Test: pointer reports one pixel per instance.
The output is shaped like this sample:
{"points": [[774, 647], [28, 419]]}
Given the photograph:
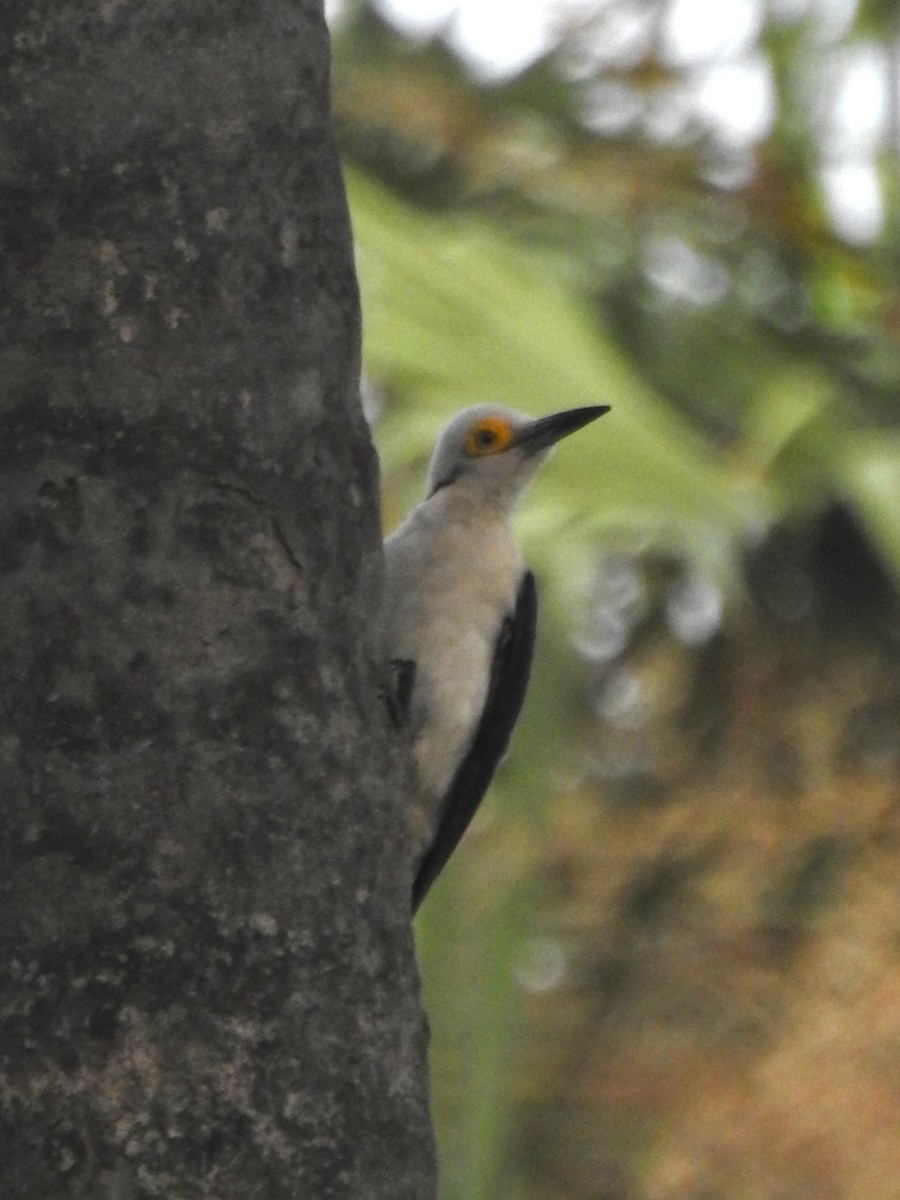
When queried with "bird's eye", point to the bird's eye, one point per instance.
{"points": [[488, 437]]}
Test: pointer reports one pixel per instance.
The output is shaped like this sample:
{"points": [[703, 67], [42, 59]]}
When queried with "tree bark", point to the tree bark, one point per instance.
{"points": [[208, 982]]}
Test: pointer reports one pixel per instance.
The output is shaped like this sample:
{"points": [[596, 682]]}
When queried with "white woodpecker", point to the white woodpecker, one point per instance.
{"points": [[460, 615]]}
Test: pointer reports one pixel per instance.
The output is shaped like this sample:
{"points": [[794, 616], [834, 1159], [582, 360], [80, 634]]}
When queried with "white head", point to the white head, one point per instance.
{"points": [[494, 452]]}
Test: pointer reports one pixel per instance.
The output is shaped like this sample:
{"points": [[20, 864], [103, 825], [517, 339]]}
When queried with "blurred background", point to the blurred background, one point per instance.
{"points": [[665, 963]]}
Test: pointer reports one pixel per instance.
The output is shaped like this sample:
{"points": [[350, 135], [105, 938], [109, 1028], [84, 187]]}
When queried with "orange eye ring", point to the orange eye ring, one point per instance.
{"points": [[488, 436]]}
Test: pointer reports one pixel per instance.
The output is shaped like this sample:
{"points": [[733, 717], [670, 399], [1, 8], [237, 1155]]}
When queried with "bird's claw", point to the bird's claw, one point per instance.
{"points": [[400, 688]]}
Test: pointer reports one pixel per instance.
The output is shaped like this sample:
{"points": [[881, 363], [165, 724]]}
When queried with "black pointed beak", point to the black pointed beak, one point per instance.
{"points": [[546, 431]]}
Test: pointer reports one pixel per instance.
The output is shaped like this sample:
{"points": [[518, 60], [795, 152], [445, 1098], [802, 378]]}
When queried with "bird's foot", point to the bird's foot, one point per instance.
{"points": [[400, 688]]}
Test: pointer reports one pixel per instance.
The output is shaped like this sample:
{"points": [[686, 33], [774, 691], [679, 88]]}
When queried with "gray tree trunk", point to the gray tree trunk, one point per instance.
{"points": [[207, 983]]}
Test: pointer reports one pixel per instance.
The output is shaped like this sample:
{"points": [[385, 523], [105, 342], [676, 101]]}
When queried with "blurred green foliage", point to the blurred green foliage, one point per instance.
{"points": [[705, 777]]}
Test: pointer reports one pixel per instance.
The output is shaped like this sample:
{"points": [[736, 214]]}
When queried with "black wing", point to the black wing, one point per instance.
{"points": [[506, 691]]}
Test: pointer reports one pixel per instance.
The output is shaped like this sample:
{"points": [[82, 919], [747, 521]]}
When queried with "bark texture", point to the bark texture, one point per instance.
{"points": [[207, 974]]}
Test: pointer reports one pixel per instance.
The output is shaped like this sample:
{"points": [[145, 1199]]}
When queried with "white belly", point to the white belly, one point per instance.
{"points": [[451, 582]]}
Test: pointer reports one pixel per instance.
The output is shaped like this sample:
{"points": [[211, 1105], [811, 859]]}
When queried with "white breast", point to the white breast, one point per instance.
{"points": [[453, 572]]}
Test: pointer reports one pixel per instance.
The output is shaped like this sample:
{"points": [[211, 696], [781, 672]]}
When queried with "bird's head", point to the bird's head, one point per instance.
{"points": [[494, 452]]}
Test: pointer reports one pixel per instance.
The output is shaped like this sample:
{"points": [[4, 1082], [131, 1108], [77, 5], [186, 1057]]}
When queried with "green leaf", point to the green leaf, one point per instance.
{"points": [[869, 469]]}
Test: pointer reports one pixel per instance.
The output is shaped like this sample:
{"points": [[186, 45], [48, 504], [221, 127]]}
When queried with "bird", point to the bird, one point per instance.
{"points": [[460, 617]]}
